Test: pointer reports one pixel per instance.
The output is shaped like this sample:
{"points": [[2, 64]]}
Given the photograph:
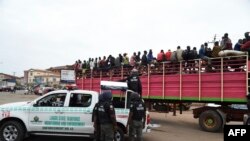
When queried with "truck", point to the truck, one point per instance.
{"points": [[7, 85], [57, 113], [223, 81]]}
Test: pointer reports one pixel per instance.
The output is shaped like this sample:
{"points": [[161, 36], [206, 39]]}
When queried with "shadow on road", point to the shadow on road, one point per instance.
{"points": [[52, 138]]}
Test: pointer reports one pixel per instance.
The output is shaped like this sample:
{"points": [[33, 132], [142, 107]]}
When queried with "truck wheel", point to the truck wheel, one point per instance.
{"points": [[119, 135], [210, 121], [12, 131]]}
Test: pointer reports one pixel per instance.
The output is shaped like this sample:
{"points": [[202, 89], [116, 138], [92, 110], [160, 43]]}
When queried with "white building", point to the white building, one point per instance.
{"points": [[37, 76]]}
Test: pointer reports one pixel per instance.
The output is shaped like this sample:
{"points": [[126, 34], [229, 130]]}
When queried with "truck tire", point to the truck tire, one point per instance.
{"points": [[119, 134], [210, 121], [12, 131]]}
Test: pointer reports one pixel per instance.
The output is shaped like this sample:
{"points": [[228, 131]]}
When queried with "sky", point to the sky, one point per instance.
{"points": [[41, 34]]}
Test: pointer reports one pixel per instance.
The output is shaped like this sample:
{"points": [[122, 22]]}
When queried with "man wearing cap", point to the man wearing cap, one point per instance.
{"points": [[106, 117], [137, 118]]}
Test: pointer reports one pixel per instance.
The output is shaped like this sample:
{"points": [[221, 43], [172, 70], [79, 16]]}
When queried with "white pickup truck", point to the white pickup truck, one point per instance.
{"points": [[58, 113]]}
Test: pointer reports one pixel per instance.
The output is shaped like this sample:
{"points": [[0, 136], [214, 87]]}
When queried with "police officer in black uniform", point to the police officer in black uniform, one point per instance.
{"points": [[106, 117], [248, 102], [134, 84], [97, 128], [137, 117]]}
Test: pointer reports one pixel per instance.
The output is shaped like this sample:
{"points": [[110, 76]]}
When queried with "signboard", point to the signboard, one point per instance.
{"points": [[67, 76]]}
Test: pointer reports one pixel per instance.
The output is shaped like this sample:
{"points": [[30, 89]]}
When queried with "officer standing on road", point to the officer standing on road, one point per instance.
{"points": [[137, 118], [248, 102], [106, 117], [97, 129], [134, 84]]}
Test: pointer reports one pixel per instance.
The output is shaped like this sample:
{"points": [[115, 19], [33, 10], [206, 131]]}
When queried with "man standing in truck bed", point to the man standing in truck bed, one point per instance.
{"points": [[134, 84]]}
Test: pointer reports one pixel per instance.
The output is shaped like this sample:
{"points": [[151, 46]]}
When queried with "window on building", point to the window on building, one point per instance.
{"points": [[31, 73], [54, 79]]}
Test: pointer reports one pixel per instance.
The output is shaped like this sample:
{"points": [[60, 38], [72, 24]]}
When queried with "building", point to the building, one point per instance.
{"points": [[4, 76], [50, 76], [50, 80], [37, 76], [57, 70], [22, 82], [7, 80]]}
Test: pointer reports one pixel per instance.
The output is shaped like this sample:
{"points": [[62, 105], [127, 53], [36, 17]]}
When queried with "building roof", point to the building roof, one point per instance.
{"points": [[61, 67], [35, 70], [51, 75], [38, 70], [8, 75]]}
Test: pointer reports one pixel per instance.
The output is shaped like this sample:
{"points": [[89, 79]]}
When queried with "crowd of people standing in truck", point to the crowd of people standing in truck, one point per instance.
{"points": [[146, 58]]}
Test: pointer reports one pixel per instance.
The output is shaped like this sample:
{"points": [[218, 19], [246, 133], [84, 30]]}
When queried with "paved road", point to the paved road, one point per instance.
{"points": [[172, 128]]}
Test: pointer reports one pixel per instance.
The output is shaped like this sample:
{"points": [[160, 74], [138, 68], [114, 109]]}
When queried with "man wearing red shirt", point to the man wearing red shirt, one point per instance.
{"points": [[168, 55], [160, 56]]}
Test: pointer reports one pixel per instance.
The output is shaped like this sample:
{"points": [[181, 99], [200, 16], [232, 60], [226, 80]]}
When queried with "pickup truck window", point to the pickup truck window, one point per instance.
{"points": [[80, 100], [53, 100]]}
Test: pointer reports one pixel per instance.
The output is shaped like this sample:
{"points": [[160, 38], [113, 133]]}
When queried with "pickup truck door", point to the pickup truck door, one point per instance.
{"points": [[79, 117], [47, 115]]}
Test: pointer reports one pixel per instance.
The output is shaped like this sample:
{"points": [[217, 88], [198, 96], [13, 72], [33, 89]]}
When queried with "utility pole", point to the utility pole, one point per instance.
{"points": [[213, 41], [214, 38]]}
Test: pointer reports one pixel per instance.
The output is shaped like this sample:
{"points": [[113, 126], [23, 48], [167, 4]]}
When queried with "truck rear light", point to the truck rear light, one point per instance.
{"points": [[148, 119]]}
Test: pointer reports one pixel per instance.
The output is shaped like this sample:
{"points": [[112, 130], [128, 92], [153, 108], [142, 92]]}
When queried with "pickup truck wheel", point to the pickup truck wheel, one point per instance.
{"points": [[210, 121], [11, 131], [119, 135]]}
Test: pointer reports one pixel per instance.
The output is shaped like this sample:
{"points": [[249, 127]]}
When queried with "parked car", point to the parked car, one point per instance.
{"points": [[43, 90]]}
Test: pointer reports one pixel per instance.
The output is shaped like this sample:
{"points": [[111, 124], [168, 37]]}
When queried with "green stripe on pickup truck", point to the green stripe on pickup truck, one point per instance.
{"points": [[56, 109]]}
